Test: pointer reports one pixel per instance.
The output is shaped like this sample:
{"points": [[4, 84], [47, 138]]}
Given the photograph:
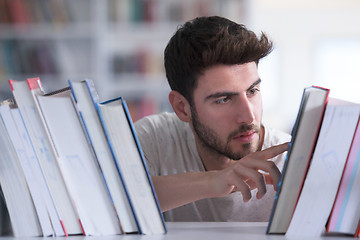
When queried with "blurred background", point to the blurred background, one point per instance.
{"points": [[119, 45]]}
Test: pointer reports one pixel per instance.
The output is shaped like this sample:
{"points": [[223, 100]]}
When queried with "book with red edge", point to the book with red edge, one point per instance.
{"points": [[24, 93], [325, 171], [304, 137], [345, 214], [78, 164]]}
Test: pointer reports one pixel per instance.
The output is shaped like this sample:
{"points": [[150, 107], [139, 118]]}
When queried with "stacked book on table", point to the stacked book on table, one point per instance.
{"points": [[72, 165], [319, 192]]}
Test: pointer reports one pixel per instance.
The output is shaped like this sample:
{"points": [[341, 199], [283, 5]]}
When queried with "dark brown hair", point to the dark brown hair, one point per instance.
{"points": [[205, 42]]}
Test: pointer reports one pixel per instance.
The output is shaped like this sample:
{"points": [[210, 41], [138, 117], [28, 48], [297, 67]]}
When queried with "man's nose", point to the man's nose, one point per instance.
{"points": [[244, 111]]}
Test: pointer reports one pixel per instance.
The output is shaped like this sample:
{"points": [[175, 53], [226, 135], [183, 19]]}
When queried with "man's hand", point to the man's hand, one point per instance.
{"points": [[252, 171]]}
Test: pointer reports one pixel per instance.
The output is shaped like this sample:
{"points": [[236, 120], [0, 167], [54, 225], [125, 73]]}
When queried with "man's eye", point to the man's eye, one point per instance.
{"points": [[223, 100], [253, 91]]}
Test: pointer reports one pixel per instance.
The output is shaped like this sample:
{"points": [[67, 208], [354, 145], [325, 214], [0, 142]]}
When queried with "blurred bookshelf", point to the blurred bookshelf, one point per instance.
{"points": [[118, 44]]}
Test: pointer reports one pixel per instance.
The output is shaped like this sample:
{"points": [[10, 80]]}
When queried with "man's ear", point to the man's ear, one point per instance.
{"points": [[180, 105]]}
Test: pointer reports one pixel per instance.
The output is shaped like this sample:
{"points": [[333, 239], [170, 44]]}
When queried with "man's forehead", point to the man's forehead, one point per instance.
{"points": [[242, 75]]}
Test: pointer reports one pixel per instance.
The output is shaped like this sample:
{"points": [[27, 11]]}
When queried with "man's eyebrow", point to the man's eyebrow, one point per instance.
{"points": [[229, 94], [257, 82], [221, 94]]}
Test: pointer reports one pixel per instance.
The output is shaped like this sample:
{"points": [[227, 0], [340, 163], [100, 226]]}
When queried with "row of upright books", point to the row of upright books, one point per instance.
{"points": [[157, 11], [72, 165], [27, 57], [44, 11], [142, 61], [319, 191]]}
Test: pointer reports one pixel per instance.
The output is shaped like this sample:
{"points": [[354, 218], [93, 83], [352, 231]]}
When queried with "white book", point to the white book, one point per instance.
{"points": [[326, 168], [131, 164], [85, 97], [345, 214], [78, 165], [26, 168], [23, 216], [23, 92], [36, 175]]}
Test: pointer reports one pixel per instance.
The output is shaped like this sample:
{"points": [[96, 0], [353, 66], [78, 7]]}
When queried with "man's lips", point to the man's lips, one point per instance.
{"points": [[245, 137]]}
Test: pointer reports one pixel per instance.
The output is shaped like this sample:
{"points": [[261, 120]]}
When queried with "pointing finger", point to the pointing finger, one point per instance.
{"points": [[273, 151]]}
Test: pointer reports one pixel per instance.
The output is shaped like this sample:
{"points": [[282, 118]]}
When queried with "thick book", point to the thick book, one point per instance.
{"points": [[345, 215], [25, 164], [23, 216], [36, 176], [85, 98], [131, 164], [326, 168], [304, 136], [78, 164], [24, 94]]}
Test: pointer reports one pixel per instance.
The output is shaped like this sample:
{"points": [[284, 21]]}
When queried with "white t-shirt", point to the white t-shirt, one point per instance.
{"points": [[169, 147]]}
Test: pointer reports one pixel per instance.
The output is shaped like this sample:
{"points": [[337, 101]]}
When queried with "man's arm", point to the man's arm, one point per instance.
{"points": [[179, 189]]}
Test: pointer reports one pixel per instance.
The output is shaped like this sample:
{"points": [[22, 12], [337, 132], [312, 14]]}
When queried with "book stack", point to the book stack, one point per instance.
{"points": [[319, 191], [72, 165]]}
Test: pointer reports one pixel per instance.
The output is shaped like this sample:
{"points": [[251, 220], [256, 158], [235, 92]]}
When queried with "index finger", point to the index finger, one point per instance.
{"points": [[273, 151]]}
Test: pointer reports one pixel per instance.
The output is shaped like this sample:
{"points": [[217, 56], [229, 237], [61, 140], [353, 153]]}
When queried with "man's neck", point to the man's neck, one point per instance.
{"points": [[211, 159]]}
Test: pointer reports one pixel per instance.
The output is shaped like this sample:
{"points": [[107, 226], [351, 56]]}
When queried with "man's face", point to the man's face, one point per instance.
{"points": [[227, 109]]}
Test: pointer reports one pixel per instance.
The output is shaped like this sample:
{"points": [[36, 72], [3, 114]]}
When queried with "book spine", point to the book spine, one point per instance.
{"points": [[127, 113]]}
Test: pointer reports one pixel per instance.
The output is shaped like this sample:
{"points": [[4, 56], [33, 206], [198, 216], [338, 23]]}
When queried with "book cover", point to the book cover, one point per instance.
{"points": [[142, 157], [326, 168], [78, 164], [304, 136], [132, 166], [25, 165], [24, 93], [37, 175], [345, 214], [14, 187], [85, 98]]}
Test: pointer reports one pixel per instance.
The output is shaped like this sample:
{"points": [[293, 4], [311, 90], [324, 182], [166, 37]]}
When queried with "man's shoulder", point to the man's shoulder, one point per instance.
{"points": [[167, 142], [164, 116], [275, 136], [159, 124], [162, 119]]}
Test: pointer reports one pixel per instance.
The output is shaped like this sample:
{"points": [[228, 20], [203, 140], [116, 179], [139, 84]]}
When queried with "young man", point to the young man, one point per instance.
{"points": [[207, 160]]}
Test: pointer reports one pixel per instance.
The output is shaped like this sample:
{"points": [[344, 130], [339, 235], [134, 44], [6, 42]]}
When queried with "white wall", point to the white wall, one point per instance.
{"points": [[306, 33]]}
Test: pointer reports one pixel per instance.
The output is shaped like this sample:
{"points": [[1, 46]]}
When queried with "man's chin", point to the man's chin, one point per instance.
{"points": [[246, 149]]}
